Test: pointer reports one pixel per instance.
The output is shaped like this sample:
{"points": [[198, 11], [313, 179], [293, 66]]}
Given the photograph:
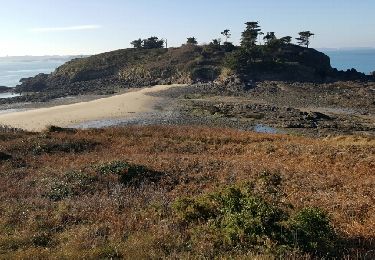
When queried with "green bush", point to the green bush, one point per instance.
{"points": [[72, 183], [312, 231], [237, 217], [128, 173], [115, 167], [59, 190]]}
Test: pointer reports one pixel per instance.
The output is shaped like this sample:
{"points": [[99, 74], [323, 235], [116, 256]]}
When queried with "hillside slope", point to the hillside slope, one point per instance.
{"points": [[121, 193], [187, 64]]}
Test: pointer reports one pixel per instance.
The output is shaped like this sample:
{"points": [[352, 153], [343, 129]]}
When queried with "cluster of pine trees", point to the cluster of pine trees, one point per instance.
{"points": [[249, 39]]}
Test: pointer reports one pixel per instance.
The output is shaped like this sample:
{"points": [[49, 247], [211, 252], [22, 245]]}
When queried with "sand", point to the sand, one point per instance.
{"points": [[115, 107]]}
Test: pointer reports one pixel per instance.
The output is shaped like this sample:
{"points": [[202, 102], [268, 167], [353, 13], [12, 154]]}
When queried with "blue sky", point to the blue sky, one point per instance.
{"points": [[45, 27]]}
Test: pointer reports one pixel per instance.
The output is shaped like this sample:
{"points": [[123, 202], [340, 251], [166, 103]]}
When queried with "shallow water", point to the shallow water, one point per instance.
{"points": [[266, 129], [9, 95]]}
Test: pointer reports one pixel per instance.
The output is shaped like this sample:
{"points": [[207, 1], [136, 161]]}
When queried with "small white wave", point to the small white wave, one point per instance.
{"points": [[32, 70]]}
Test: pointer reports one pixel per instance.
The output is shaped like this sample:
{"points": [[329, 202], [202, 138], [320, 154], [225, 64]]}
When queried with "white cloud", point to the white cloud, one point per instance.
{"points": [[65, 29]]}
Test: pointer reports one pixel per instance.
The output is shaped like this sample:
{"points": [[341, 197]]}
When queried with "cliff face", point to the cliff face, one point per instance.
{"points": [[139, 67]]}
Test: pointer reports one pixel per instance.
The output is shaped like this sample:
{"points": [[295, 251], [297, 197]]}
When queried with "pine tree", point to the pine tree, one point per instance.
{"points": [[250, 35], [304, 38]]}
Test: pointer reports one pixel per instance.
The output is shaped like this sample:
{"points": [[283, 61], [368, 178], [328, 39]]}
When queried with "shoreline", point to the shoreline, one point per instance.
{"points": [[120, 106]]}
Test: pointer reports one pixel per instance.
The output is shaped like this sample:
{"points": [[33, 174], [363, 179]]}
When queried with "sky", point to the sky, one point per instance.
{"points": [[75, 27]]}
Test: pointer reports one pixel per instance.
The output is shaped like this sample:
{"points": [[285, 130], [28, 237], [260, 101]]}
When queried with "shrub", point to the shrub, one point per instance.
{"points": [[72, 183], [41, 239], [59, 190], [66, 146], [128, 173], [237, 217], [312, 231], [205, 73], [57, 129], [228, 47], [115, 167]]}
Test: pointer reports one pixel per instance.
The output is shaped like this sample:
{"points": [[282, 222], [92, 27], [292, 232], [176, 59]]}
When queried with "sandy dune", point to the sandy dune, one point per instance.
{"points": [[120, 106]]}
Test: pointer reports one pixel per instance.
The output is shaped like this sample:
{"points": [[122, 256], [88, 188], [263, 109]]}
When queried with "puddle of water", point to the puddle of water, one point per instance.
{"points": [[259, 128]]}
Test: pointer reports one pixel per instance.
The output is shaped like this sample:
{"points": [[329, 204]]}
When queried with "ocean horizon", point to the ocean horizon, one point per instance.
{"points": [[363, 60], [12, 69]]}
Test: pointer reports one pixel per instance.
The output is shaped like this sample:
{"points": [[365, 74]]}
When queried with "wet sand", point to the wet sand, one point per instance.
{"points": [[120, 106]]}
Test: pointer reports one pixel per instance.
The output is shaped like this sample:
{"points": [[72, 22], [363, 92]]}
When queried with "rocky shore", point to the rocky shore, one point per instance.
{"points": [[304, 108], [296, 108]]}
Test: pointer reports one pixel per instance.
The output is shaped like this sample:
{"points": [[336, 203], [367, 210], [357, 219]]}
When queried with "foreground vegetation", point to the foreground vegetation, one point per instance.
{"points": [[184, 192]]}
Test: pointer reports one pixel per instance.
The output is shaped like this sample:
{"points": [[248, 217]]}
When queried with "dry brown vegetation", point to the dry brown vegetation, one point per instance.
{"points": [[59, 198]]}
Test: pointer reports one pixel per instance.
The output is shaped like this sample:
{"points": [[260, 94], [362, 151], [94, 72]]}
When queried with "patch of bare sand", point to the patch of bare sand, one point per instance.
{"points": [[119, 106]]}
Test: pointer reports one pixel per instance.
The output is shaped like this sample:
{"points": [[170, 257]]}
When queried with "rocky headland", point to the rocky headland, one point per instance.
{"points": [[291, 88]]}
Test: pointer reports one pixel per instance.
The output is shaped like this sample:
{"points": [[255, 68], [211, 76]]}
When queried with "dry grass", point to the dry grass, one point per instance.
{"points": [[97, 216]]}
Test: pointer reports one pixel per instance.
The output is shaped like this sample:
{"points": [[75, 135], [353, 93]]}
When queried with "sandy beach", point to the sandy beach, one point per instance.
{"points": [[119, 106]]}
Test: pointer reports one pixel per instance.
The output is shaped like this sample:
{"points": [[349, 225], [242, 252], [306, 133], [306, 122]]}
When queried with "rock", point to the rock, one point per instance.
{"points": [[4, 89], [5, 156], [317, 116]]}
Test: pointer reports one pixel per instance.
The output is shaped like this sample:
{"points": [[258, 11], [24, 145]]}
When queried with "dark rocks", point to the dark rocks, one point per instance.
{"points": [[4, 89], [5, 156], [316, 116]]}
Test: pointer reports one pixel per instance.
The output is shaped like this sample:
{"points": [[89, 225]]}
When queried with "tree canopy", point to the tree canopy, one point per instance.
{"points": [[191, 41], [150, 43], [250, 35], [137, 44], [304, 38], [270, 36], [226, 33]]}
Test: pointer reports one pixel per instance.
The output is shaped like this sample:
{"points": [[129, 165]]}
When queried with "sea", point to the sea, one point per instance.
{"points": [[12, 69], [363, 60]]}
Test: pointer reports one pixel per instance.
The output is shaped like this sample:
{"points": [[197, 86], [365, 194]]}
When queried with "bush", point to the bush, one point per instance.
{"points": [[66, 146], [129, 174], [228, 47], [57, 129], [115, 167], [236, 217], [59, 190], [72, 183], [205, 73], [312, 231]]}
